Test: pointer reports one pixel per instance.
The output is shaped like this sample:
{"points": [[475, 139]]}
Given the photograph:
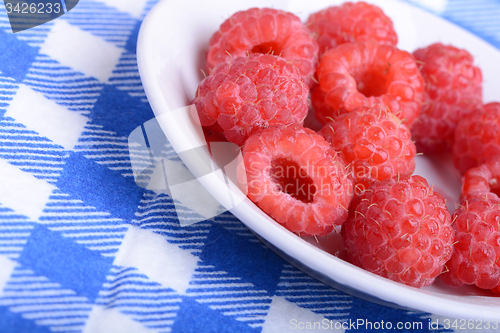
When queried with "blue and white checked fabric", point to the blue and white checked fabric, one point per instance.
{"points": [[83, 248]]}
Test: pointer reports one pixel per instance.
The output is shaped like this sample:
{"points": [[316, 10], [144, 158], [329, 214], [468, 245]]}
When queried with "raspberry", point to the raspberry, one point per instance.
{"points": [[214, 133], [360, 74], [476, 253], [264, 30], [400, 230], [351, 22], [477, 137], [483, 180], [374, 142], [452, 90], [252, 93], [294, 176]]}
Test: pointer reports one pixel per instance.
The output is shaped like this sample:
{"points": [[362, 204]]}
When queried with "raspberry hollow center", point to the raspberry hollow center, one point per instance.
{"points": [[292, 180], [267, 48], [373, 81], [495, 186]]}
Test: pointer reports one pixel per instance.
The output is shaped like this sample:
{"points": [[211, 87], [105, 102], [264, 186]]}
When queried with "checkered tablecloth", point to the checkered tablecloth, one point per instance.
{"points": [[84, 249]]}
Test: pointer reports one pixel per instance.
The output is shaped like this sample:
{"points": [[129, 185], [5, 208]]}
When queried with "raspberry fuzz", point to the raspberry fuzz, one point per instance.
{"points": [[293, 174], [251, 93], [351, 22], [476, 254], [264, 30], [477, 138], [453, 89], [360, 74], [374, 143], [400, 230]]}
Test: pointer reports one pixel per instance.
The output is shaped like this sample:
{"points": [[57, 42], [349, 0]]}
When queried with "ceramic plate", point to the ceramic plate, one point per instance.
{"points": [[171, 50]]}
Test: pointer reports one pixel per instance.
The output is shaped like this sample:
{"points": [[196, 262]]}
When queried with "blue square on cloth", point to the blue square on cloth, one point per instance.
{"points": [[14, 323], [119, 112], [100, 187], [66, 262], [16, 57]]}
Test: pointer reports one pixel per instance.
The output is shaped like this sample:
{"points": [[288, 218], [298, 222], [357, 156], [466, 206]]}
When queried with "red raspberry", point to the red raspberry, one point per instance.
{"points": [[252, 93], [351, 22], [400, 230], [374, 143], [294, 176], [483, 180], [322, 111], [452, 90], [360, 74], [214, 133], [476, 254], [477, 138], [265, 30]]}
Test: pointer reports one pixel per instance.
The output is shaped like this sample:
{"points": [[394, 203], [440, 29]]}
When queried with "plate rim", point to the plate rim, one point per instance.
{"points": [[408, 297]]}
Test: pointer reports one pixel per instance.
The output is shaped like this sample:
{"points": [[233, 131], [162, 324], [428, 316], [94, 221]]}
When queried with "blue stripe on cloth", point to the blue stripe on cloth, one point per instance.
{"points": [[30, 151], [101, 20], [106, 148], [301, 289], [16, 56], [98, 186], [14, 323], [15, 230], [96, 230], [194, 317], [372, 313], [62, 260], [48, 303], [141, 299], [64, 85], [236, 255], [466, 13], [131, 44]]}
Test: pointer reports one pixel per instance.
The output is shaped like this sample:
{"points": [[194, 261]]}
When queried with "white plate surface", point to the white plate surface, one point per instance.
{"points": [[171, 50]]}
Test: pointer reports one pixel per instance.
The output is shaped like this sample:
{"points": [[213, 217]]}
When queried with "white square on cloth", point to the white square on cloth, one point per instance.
{"points": [[81, 50], [46, 117]]}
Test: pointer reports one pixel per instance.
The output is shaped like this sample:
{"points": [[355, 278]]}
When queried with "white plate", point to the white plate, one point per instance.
{"points": [[171, 50]]}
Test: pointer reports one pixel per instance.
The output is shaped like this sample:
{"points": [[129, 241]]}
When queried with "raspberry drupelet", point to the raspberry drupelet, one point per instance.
{"points": [[351, 22], [294, 176], [476, 254], [483, 180], [401, 230], [265, 30], [374, 143], [453, 89], [251, 93], [360, 74], [477, 138]]}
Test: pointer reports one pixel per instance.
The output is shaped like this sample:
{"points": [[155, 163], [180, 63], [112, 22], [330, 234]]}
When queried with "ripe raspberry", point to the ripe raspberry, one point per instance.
{"points": [[400, 230], [265, 30], [476, 254], [294, 176], [374, 143], [483, 180], [360, 74], [452, 90], [214, 133], [477, 138], [351, 22], [251, 93]]}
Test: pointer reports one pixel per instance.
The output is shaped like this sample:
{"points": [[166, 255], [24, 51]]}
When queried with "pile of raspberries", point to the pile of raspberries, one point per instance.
{"points": [[330, 115]]}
